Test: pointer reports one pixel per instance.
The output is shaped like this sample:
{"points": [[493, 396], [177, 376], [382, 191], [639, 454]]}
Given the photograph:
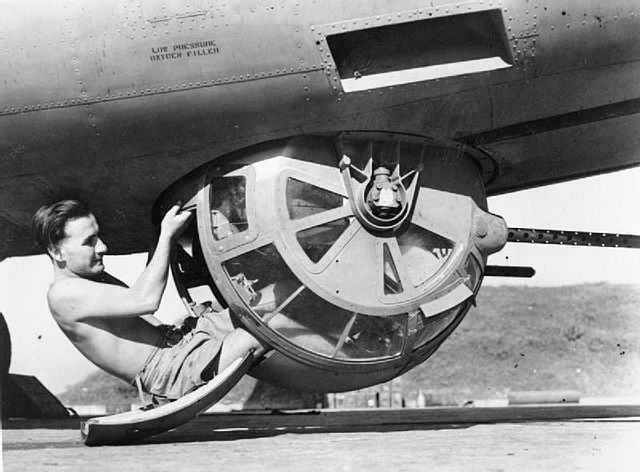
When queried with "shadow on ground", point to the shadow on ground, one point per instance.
{"points": [[192, 435]]}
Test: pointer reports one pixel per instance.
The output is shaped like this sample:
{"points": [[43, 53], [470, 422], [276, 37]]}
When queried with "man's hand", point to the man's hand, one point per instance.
{"points": [[174, 222]]}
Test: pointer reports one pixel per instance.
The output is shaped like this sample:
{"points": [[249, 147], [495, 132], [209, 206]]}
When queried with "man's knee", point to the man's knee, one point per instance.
{"points": [[241, 337]]}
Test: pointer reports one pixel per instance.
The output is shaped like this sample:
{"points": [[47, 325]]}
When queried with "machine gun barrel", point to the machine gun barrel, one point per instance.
{"points": [[573, 238]]}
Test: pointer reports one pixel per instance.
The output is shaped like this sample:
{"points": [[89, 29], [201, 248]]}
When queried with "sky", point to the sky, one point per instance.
{"points": [[606, 203]]}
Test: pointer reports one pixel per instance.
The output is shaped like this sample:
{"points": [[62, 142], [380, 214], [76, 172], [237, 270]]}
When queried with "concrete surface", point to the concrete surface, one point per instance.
{"points": [[262, 442]]}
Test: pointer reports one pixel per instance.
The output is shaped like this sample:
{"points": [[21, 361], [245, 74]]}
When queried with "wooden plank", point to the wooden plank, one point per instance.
{"points": [[329, 418], [345, 419]]}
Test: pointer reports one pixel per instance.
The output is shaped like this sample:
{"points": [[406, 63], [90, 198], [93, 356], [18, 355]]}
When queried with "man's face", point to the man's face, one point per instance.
{"points": [[81, 249]]}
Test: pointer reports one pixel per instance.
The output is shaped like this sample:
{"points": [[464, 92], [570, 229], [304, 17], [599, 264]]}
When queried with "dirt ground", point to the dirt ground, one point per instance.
{"points": [[269, 445]]}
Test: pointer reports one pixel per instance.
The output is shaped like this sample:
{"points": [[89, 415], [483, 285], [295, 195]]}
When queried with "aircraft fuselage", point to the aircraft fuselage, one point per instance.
{"points": [[110, 102]]}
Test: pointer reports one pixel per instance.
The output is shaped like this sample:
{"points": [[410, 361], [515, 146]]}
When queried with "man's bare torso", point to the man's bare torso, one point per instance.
{"points": [[118, 345]]}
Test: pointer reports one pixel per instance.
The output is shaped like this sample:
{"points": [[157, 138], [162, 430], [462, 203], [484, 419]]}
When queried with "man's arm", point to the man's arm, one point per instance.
{"points": [[77, 298]]}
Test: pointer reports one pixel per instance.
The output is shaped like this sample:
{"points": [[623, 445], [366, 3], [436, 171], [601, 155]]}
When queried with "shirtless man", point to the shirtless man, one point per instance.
{"points": [[105, 320]]}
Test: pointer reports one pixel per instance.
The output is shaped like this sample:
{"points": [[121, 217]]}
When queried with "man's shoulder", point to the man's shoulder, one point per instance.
{"points": [[65, 290], [69, 284], [66, 284]]}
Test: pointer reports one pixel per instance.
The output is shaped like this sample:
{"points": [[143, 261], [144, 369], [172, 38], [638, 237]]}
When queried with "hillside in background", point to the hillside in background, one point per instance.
{"points": [[584, 338]]}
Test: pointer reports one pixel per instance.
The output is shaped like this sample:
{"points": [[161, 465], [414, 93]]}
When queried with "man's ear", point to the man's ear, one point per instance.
{"points": [[55, 253]]}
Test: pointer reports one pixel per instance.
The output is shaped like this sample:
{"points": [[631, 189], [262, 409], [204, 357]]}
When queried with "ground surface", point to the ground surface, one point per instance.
{"points": [[399, 441]]}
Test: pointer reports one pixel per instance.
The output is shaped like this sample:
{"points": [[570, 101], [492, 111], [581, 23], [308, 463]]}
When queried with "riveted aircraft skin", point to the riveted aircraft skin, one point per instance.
{"points": [[111, 102]]}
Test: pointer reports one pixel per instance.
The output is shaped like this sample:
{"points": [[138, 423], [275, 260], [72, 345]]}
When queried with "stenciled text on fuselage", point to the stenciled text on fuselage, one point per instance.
{"points": [[184, 50]]}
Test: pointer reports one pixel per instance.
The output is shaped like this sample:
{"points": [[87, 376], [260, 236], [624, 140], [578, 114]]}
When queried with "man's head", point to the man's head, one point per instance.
{"points": [[68, 232]]}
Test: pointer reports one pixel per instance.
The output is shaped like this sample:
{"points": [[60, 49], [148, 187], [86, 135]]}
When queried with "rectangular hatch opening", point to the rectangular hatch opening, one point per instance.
{"points": [[421, 50]]}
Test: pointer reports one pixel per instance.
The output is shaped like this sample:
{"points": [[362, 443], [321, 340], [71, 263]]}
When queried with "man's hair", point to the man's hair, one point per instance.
{"points": [[49, 221]]}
